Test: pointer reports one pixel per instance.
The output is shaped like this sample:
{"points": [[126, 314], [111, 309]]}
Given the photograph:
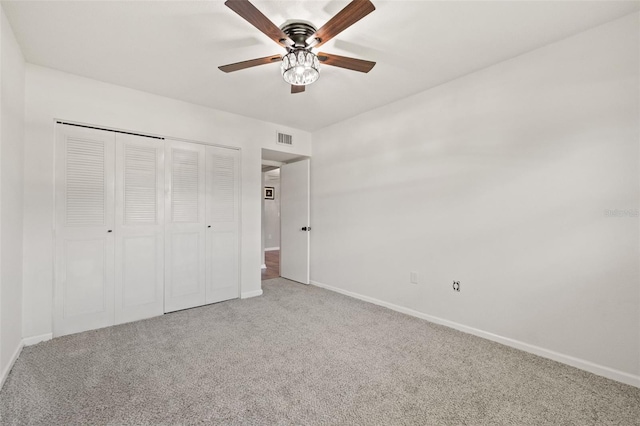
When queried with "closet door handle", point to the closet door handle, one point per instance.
{"points": [[110, 230], [209, 226]]}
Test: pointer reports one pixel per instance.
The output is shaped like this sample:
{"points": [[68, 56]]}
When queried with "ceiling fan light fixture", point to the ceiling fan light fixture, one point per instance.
{"points": [[300, 67]]}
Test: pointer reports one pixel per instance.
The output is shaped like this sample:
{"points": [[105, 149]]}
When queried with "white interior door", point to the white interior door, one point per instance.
{"points": [[84, 282], [294, 221], [139, 228], [185, 235], [223, 207]]}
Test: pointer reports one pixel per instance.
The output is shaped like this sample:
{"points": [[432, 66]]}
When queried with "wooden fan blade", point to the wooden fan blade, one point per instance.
{"points": [[355, 11], [345, 62], [252, 15], [297, 89], [251, 63]]}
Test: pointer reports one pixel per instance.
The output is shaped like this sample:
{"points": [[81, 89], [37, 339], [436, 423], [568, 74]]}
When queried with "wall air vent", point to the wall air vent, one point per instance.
{"points": [[284, 139]]}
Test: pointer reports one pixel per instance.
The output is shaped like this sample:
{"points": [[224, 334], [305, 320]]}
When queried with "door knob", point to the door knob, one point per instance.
{"points": [[304, 228], [110, 230]]}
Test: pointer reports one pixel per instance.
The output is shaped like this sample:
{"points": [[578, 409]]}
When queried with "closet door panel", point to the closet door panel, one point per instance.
{"points": [[85, 276], [223, 208], [185, 264], [84, 281], [141, 274], [223, 281], [185, 268], [139, 252]]}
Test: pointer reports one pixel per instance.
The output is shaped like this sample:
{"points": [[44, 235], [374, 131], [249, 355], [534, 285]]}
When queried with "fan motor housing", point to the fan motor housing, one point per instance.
{"points": [[299, 32]]}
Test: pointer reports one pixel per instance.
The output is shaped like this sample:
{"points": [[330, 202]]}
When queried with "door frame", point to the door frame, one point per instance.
{"points": [[277, 158]]}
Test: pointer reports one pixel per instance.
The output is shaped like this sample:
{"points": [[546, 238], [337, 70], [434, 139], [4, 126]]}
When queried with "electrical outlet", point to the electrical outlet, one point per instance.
{"points": [[413, 277], [456, 286]]}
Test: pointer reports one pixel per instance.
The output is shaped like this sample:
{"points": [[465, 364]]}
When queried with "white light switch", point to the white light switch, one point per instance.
{"points": [[414, 277]]}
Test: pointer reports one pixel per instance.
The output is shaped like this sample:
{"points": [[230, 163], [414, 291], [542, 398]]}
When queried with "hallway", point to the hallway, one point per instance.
{"points": [[272, 260]]}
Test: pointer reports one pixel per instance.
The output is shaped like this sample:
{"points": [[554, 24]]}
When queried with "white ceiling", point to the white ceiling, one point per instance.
{"points": [[173, 48]]}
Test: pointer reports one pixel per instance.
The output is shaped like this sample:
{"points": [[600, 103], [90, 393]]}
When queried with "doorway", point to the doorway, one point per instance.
{"points": [[271, 222], [285, 216]]}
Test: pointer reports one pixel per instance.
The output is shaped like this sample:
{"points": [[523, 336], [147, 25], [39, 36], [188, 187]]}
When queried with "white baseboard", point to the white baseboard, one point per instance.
{"points": [[249, 294], [272, 248], [34, 340], [600, 370], [7, 369], [263, 266]]}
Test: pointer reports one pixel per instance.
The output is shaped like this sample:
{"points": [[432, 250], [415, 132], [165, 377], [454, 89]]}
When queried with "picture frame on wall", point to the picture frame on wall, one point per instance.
{"points": [[269, 193]]}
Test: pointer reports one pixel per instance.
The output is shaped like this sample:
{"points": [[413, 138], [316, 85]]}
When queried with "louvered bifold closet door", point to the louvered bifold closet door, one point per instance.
{"points": [[185, 236], [84, 282], [139, 228], [222, 223]]}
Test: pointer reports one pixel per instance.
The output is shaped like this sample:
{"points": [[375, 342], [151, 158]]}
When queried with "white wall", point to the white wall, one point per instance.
{"points": [[11, 185], [499, 179], [54, 95]]}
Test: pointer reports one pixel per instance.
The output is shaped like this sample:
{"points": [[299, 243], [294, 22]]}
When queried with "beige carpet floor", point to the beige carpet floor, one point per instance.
{"points": [[300, 355]]}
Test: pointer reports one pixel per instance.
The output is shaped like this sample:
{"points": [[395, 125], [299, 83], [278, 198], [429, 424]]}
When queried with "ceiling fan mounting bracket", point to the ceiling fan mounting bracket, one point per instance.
{"points": [[299, 32]]}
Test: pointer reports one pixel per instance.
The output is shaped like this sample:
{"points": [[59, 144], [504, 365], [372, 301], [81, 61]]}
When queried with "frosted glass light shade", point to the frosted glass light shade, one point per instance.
{"points": [[300, 67]]}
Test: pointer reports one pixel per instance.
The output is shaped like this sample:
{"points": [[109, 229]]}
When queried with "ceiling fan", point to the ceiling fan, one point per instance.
{"points": [[300, 66]]}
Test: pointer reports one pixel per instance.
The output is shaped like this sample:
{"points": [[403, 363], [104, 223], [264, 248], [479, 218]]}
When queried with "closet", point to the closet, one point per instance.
{"points": [[202, 226], [143, 226]]}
